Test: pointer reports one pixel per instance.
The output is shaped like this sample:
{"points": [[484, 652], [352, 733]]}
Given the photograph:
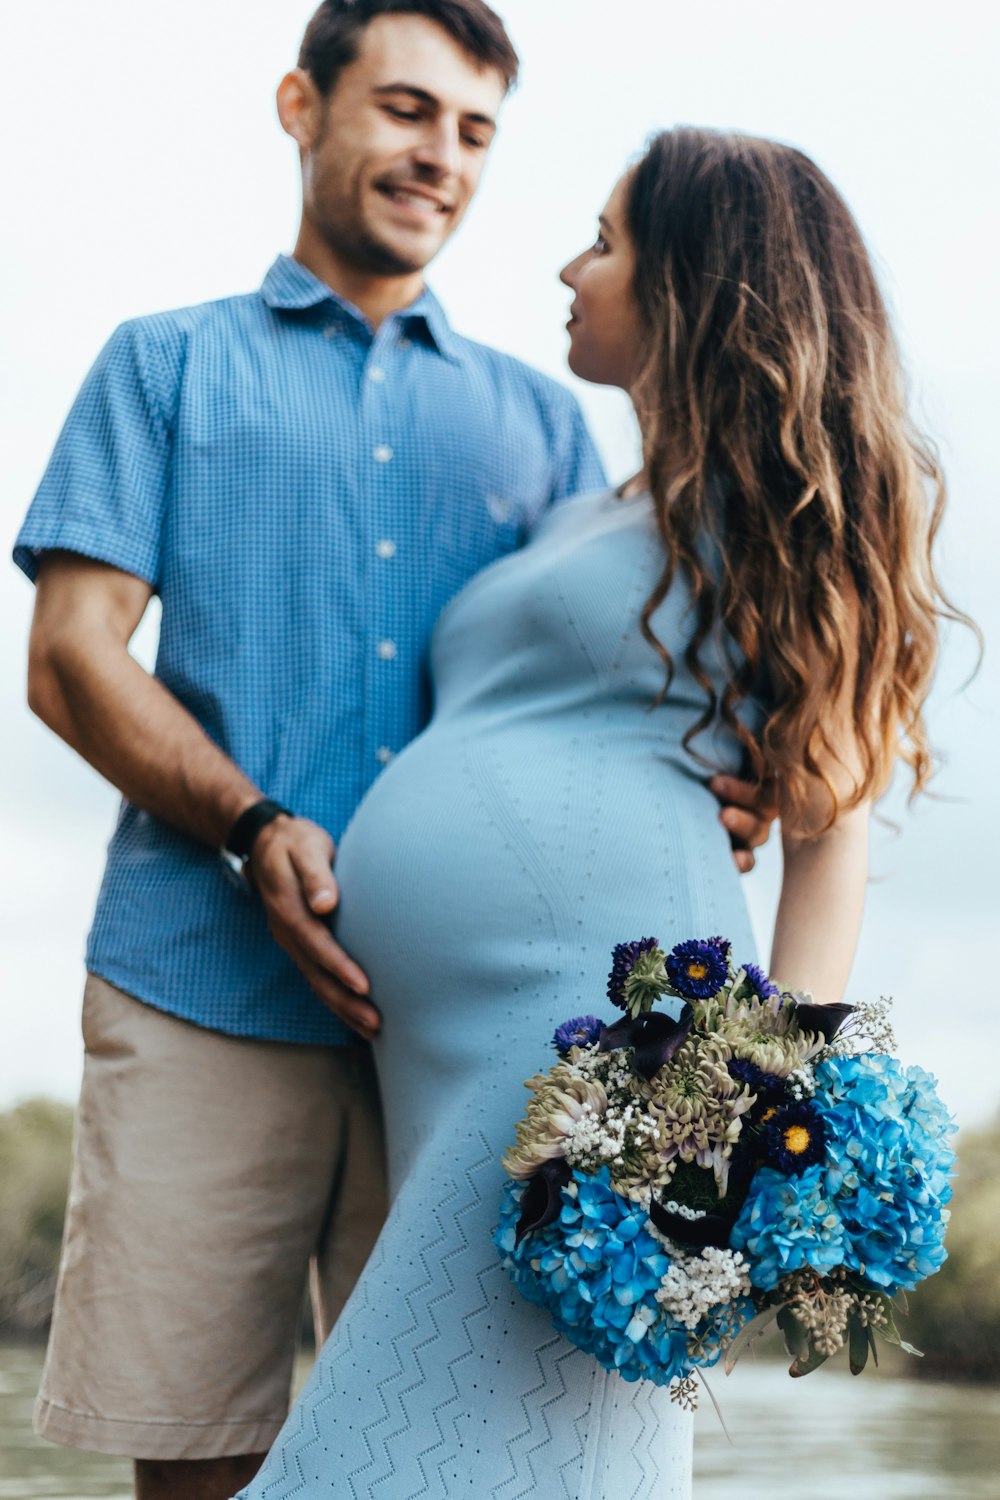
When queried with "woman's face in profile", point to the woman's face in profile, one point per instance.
{"points": [[604, 325]]}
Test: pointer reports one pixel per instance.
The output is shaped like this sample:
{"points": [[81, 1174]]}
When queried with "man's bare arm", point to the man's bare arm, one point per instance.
{"points": [[85, 686]]}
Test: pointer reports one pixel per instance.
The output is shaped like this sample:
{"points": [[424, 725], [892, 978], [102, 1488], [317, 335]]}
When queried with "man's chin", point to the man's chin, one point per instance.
{"points": [[403, 255], [377, 251]]}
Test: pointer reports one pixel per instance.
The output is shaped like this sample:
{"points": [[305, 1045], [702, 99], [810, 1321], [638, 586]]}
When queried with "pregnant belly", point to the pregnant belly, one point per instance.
{"points": [[478, 864]]}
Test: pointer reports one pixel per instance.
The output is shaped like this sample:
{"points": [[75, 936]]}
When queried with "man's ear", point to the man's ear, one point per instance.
{"points": [[300, 107]]}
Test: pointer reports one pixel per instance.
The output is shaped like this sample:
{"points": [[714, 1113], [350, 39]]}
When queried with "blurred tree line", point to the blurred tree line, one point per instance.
{"points": [[35, 1148], [954, 1317]]}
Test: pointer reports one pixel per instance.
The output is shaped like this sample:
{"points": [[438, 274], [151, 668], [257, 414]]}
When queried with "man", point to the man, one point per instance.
{"points": [[304, 476]]}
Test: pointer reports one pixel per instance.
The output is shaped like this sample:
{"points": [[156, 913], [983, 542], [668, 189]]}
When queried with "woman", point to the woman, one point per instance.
{"points": [[762, 595]]}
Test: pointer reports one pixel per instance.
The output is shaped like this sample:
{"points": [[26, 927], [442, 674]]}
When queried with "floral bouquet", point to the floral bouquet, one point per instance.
{"points": [[681, 1181]]}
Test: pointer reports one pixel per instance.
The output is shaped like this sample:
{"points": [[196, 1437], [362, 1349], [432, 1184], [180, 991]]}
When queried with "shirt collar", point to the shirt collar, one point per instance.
{"points": [[290, 287]]}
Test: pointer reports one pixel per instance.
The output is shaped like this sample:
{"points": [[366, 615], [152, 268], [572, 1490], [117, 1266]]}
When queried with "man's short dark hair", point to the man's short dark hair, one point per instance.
{"points": [[331, 39]]}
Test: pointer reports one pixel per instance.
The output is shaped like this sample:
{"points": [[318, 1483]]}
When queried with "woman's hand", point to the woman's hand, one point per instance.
{"points": [[747, 815]]}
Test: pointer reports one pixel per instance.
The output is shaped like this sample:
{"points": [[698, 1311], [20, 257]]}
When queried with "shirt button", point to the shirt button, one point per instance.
{"points": [[383, 755], [404, 343], [385, 548], [330, 332], [382, 454], [386, 650], [377, 374]]}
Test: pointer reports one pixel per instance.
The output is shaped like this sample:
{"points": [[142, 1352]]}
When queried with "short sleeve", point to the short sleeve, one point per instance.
{"points": [[580, 469], [104, 491]]}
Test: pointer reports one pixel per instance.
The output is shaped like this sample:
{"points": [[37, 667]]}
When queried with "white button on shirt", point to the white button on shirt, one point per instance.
{"points": [[383, 755], [382, 454], [385, 548], [377, 374], [386, 650]]}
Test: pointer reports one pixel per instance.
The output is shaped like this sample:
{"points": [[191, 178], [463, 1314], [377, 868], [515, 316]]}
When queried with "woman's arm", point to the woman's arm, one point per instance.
{"points": [[825, 872], [819, 913]]}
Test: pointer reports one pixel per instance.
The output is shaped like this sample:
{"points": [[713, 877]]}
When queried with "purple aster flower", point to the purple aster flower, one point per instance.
{"points": [[794, 1138], [699, 968], [582, 1031], [770, 1088], [762, 985], [624, 958], [755, 1078]]}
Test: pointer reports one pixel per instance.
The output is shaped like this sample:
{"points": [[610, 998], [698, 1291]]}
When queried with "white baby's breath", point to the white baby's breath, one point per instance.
{"points": [[700, 1280]]}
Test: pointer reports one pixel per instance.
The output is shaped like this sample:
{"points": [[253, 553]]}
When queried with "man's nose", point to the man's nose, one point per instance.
{"points": [[440, 150]]}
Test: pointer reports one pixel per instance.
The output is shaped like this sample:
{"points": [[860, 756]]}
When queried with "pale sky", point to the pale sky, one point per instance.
{"points": [[142, 167]]}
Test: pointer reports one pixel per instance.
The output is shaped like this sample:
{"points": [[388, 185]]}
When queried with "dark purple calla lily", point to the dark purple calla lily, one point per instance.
{"points": [[654, 1036], [542, 1200], [826, 1019], [710, 1229]]}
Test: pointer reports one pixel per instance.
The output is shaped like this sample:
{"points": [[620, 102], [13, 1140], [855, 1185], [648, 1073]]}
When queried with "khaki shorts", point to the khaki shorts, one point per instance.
{"points": [[209, 1171]]}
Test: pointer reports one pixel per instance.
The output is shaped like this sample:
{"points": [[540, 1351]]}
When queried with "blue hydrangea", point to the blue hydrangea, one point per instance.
{"points": [[698, 968], [787, 1223], [877, 1202], [596, 1270], [581, 1031], [889, 1162]]}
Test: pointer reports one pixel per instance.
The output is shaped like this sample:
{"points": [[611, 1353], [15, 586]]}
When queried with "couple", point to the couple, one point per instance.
{"points": [[307, 477]]}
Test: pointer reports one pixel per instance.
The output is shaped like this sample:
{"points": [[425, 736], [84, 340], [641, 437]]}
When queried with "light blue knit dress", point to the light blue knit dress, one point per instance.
{"points": [[546, 814]]}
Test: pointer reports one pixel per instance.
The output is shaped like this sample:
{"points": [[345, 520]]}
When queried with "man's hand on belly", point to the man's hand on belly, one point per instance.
{"points": [[292, 868], [747, 814]]}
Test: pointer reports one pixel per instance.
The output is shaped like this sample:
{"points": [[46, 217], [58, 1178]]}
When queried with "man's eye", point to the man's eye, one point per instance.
{"points": [[401, 114], [476, 142]]}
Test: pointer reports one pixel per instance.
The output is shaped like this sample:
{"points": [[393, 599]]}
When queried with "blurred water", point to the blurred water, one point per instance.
{"points": [[826, 1438], [33, 1470]]}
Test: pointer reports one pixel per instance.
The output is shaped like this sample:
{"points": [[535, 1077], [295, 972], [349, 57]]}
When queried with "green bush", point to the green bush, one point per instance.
{"points": [[35, 1150], [955, 1316]]}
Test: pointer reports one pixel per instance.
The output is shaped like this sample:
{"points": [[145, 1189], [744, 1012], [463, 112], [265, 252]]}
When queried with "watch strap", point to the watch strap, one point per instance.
{"points": [[242, 836]]}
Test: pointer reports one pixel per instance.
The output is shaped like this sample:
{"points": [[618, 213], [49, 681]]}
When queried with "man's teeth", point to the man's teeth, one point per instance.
{"points": [[416, 200]]}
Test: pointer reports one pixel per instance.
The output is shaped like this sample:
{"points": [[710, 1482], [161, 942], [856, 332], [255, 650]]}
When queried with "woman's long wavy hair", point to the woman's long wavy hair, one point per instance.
{"points": [[773, 416]]}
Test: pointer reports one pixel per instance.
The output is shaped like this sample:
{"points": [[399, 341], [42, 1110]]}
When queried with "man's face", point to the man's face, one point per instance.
{"points": [[393, 155]]}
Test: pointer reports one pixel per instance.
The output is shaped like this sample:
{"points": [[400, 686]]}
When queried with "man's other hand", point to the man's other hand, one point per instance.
{"points": [[747, 814], [292, 868]]}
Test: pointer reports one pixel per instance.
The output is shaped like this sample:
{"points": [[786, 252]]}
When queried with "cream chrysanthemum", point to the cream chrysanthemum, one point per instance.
{"points": [[696, 1107], [761, 1031], [563, 1099]]}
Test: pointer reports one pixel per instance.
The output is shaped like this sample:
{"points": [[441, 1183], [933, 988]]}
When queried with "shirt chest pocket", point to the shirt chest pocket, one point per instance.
{"points": [[486, 505]]}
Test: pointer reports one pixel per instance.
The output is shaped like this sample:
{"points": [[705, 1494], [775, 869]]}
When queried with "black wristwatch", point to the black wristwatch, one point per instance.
{"points": [[241, 838]]}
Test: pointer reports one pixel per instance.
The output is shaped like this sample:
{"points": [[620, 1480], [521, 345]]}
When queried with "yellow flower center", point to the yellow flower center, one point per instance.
{"points": [[697, 969], [768, 1114], [796, 1139]]}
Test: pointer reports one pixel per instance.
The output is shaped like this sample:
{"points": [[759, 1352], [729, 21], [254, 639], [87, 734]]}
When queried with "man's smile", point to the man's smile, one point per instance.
{"points": [[417, 199]]}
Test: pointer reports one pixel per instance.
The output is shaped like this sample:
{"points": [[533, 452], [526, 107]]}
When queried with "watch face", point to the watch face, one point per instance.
{"points": [[235, 871]]}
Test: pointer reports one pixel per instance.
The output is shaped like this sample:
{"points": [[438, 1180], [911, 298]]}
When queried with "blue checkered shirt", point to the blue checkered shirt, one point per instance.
{"points": [[304, 495]]}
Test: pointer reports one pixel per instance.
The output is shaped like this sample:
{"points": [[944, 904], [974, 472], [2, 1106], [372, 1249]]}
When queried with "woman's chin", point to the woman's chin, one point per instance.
{"points": [[581, 366]]}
